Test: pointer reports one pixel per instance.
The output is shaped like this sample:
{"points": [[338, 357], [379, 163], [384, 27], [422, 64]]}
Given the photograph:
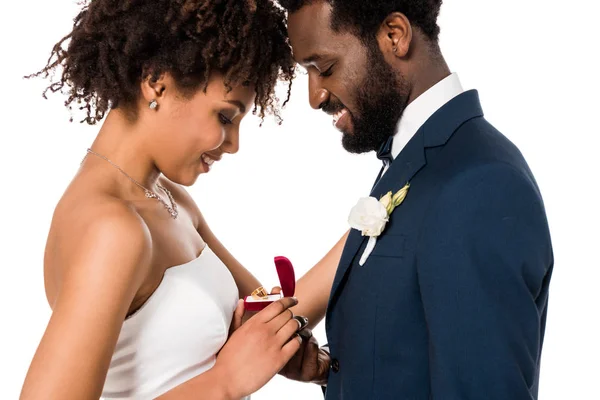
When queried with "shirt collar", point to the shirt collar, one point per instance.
{"points": [[423, 107]]}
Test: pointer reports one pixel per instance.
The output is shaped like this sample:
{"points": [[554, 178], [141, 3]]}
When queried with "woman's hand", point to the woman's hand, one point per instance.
{"points": [[259, 348], [240, 315]]}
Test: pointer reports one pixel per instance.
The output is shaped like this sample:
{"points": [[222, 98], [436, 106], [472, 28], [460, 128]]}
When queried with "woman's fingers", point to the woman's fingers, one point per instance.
{"points": [[276, 290], [290, 348], [238, 316], [276, 308], [288, 330]]}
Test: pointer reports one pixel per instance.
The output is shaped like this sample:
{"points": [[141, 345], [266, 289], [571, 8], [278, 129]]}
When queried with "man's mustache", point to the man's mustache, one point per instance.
{"points": [[333, 107]]}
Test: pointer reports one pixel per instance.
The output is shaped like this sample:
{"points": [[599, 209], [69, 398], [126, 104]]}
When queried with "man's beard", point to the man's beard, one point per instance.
{"points": [[381, 100]]}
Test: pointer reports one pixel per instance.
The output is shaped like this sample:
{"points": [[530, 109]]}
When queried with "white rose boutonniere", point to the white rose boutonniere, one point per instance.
{"points": [[370, 216]]}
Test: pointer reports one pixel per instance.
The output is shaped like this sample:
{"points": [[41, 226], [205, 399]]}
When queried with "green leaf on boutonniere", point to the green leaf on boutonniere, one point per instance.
{"points": [[400, 195]]}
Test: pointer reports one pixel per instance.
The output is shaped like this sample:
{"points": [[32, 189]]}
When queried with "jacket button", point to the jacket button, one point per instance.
{"points": [[335, 365]]}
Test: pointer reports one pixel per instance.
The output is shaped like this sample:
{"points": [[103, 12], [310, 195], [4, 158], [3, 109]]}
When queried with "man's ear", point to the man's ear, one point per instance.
{"points": [[395, 35]]}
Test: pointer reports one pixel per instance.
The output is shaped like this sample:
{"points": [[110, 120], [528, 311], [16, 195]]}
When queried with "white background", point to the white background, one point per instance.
{"points": [[289, 190]]}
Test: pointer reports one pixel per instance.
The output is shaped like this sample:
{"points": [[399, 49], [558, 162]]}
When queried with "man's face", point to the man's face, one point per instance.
{"points": [[347, 79]]}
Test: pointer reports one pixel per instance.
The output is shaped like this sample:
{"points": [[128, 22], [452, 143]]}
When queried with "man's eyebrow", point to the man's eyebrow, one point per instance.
{"points": [[238, 104], [311, 59]]}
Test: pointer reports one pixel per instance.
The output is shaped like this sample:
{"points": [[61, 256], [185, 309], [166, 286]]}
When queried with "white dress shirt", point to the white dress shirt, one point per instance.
{"points": [[423, 107]]}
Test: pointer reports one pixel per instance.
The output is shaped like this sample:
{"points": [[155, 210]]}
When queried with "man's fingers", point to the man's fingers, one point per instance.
{"points": [[310, 364], [306, 334], [302, 322]]}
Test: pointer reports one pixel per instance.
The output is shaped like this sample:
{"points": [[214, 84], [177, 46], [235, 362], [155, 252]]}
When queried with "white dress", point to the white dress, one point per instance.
{"points": [[176, 334]]}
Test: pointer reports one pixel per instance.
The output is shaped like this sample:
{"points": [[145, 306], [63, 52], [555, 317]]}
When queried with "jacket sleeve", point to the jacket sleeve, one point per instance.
{"points": [[484, 264]]}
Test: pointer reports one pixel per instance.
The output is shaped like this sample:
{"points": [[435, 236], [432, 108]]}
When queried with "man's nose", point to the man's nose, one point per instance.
{"points": [[318, 96]]}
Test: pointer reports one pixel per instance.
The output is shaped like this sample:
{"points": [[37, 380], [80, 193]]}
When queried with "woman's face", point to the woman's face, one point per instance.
{"points": [[190, 134]]}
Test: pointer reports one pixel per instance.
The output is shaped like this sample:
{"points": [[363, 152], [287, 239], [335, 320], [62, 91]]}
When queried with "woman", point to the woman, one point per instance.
{"points": [[142, 292]]}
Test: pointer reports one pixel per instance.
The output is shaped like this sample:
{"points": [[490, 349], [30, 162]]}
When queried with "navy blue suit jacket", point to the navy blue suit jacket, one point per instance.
{"points": [[451, 304]]}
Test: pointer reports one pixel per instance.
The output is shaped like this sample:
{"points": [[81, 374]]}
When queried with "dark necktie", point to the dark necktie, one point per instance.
{"points": [[385, 152], [385, 155]]}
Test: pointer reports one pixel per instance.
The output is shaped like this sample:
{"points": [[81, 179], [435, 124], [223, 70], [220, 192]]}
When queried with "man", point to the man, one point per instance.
{"points": [[449, 299]]}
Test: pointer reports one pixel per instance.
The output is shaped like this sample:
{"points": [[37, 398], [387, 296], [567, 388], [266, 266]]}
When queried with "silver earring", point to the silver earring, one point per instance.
{"points": [[395, 49], [153, 104]]}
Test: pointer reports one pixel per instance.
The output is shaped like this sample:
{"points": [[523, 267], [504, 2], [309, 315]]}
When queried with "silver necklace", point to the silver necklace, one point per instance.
{"points": [[172, 209]]}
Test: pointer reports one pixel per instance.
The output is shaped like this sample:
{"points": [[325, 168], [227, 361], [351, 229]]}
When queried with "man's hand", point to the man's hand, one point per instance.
{"points": [[310, 363]]}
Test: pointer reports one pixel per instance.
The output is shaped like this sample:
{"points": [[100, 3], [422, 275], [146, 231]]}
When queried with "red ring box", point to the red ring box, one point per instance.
{"points": [[287, 280]]}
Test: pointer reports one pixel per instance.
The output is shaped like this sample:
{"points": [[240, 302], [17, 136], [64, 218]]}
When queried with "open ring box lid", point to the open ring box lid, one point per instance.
{"points": [[287, 280]]}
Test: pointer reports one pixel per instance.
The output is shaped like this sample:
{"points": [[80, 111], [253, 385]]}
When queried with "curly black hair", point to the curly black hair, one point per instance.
{"points": [[116, 44], [364, 17]]}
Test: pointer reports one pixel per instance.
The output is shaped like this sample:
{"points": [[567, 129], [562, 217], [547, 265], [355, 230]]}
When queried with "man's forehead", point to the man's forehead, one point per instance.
{"points": [[310, 32], [317, 11]]}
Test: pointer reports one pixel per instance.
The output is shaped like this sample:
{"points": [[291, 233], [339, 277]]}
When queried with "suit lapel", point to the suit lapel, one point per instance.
{"points": [[378, 178], [402, 170], [434, 133]]}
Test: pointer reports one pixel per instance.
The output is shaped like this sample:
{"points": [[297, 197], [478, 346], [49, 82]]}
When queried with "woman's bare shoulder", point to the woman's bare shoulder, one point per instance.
{"points": [[92, 232]]}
